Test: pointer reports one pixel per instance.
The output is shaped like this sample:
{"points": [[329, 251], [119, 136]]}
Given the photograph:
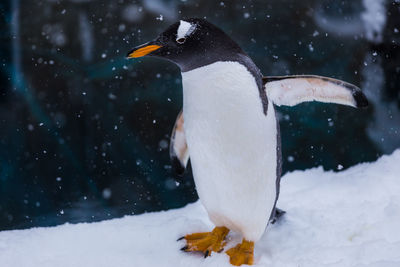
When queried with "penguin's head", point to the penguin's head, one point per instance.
{"points": [[190, 43]]}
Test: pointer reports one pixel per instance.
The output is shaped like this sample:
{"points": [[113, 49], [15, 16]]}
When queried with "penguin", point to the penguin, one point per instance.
{"points": [[229, 129]]}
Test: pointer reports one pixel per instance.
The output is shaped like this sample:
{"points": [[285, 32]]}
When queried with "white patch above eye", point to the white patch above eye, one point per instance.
{"points": [[185, 29]]}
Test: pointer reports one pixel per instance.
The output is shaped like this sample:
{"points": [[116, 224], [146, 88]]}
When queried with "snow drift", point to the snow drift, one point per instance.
{"points": [[350, 218]]}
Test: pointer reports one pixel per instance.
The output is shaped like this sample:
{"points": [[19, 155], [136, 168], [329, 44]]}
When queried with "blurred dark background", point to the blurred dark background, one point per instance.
{"points": [[84, 132]]}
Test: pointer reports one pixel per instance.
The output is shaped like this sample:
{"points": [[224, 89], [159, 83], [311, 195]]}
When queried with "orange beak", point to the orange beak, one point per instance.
{"points": [[142, 51]]}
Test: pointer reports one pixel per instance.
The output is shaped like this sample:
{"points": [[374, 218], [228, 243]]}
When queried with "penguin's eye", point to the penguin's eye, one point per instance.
{"points": [[181, 40]]}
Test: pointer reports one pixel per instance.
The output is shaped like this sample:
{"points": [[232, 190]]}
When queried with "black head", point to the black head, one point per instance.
{"points": [[191, 43]]}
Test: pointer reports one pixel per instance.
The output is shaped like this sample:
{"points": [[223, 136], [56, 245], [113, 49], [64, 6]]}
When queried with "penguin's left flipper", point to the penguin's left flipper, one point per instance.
{"points": [[293, 90], [278, 213], [178, 150]]}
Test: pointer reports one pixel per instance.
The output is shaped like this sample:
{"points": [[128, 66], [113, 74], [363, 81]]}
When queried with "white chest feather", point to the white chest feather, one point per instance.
{"points": [[232, 146]]}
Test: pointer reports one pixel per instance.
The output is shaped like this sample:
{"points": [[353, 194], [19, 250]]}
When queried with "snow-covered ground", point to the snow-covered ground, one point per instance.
{"points": [[351, 218]]}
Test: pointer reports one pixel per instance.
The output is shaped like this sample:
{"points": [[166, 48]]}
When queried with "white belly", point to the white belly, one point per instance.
{"points": [[232, 146]]}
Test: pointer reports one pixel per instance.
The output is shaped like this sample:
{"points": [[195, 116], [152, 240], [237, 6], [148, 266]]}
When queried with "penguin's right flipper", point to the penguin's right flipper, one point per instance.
{"points": [[278, 213], [178, 150], [296, 89]]}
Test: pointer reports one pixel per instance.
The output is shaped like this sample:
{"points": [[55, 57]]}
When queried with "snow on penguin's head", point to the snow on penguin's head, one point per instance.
{"points": [[185, 29]]}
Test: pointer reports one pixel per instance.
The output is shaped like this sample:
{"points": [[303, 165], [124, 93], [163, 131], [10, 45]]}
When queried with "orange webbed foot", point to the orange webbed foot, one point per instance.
{"points": [[242, 253], [206, 242]]}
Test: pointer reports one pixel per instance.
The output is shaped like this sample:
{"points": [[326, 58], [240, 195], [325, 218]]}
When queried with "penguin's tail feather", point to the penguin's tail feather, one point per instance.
{"points": [[278, 213]]}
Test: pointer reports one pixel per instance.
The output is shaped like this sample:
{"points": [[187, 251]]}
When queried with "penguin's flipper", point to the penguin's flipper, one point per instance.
{"points": [[293, 90], [178, 150]]}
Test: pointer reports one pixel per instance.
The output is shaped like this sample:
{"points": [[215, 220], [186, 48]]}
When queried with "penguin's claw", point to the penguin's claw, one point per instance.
{"points": [[242, 253], [206, 242]]}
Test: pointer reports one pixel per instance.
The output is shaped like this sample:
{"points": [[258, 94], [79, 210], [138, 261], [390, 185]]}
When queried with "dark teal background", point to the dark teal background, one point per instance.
{"points": [[84, 132]]}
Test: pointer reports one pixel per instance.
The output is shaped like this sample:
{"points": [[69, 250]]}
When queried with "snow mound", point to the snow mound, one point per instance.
{"points": [[351, 218]]}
